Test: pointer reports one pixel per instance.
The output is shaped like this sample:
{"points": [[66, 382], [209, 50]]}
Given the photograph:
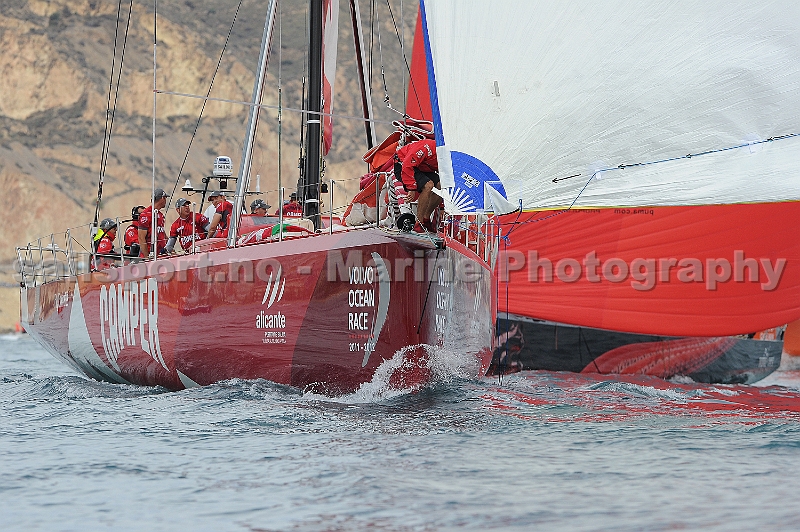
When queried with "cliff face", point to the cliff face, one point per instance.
{"points": [[54, 82], [55, 70]]}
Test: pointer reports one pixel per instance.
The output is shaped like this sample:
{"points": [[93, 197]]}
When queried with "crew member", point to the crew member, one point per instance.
{"points": [[145, 222], [259, 208], [105, 244], [184, 229], [222, 215], [292, 207], [418, 171], [132, 232], [212, 209]]}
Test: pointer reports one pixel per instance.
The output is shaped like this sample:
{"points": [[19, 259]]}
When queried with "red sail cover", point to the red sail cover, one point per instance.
{"points": [[691, 271], [330, 40]]}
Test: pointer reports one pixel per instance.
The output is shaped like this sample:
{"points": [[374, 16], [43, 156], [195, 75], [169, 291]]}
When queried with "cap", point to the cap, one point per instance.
{"points": [[293, 195], [107, 224], [216, 193], [258, 204], [181, 202], [159, 193], [134, 213]]}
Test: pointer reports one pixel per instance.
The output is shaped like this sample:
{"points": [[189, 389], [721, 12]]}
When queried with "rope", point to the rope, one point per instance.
{"points": [[386, 98], [109, 111], [208, 93], [672, 159], [623, 166], [371, 40], [153, 245], [265, 106], [403, 53], [280, 101], [430, 282], [402, 48], [503, 365]]}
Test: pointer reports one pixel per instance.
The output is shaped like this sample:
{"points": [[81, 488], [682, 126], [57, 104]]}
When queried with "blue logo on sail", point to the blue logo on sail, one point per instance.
{"points": [[472, 176]]}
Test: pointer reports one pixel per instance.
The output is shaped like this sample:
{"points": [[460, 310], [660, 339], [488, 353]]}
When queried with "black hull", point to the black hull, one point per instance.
{"points": [[533, 345]]}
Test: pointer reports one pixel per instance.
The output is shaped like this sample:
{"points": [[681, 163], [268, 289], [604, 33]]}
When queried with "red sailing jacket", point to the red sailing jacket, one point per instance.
{"points": [[182, 230], [105, 246], [419, 154], [292, 208], [145, 221], [225, 209], [131, 235]]}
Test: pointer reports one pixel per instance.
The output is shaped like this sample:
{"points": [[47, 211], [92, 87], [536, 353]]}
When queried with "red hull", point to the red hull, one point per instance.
{"points": [[670, 302], [321, 312]]}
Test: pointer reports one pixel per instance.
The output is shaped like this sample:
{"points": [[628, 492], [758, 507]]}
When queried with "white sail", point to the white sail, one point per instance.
{"points": [[528, 92]]}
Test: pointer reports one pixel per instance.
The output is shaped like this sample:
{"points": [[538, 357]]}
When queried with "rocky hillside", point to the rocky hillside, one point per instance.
{"points": [[54, 81]]}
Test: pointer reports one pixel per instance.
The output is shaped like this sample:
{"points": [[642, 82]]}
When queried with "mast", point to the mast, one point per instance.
{"points": [[366, 93], [252, 124], [310, 192]]}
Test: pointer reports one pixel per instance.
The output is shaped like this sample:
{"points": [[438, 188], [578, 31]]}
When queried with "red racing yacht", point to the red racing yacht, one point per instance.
{"points": [[310, 306]]}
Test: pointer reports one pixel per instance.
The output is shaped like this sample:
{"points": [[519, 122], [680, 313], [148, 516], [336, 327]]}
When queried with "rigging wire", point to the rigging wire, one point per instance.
{"points": [[266, 106], [301, 160], [380, 58], [111, 112], [623, 166], [405, 61], [371, 41], [403, 54], [280, 101], [208, 93], [153, 225], [504, 365]]}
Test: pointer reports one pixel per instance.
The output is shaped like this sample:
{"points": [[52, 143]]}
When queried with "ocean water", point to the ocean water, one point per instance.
{"points": [[539, 451]]}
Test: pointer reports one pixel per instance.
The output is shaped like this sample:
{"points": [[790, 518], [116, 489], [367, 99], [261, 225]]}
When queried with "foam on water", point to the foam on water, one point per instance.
{"points": [[541, 450], [438, 365], [670, 394], [75, 388], [242, 390]]}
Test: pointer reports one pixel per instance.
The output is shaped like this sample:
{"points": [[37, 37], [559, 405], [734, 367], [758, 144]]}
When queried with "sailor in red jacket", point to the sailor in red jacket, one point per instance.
{"points": [[145, 222], [184, 229], [292, 207], [105, 244], [132, 232], [222, 217], [419, 173]]}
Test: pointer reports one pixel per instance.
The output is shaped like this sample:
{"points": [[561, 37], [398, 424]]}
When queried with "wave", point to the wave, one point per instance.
{"points": [[408, 371], [25, 386], [557, 396]]}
